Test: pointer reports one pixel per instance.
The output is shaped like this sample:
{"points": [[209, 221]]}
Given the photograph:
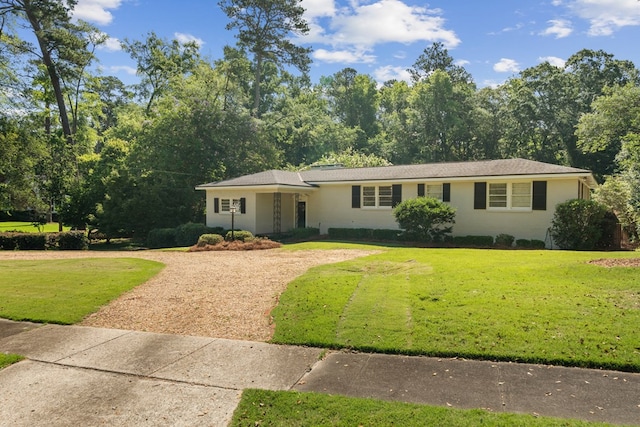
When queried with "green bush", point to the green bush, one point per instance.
{"points": [[474, 241], [71, 241], [530, 244], [188, 234], [304, 233], [578, 224], [23, 241], [161, 238], [210, 239], [425, 218], [386, 234], [242, 235], [504, 240]]}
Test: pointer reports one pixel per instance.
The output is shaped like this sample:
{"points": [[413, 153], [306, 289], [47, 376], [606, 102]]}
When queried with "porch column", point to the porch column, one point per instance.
{"points": [[296, 199], [277, 212]]}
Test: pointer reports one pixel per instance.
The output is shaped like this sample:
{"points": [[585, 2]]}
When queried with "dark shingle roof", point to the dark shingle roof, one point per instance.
{"points": [[484, 168]]}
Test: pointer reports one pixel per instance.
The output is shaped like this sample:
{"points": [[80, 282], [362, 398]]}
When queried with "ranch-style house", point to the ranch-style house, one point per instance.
{"points": [[512, 196]]}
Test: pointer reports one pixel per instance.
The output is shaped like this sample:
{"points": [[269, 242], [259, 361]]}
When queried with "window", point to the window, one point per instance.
{"points": [[434, 190], [515, 195], [225, 205], [377, 197]]}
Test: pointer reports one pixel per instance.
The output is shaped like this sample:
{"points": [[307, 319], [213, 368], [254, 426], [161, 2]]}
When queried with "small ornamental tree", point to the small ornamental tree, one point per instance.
{"points": [[578, 224], [425, 219]]}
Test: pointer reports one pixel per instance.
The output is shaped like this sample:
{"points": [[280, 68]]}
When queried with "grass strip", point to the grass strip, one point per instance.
{"points": [[9, 359], [289, 408], [525, 306], [29, 227], [65, 291]]}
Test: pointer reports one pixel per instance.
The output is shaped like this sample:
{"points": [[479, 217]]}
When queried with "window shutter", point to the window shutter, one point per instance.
{"points": [[355, 196], [480, 195], [396, 194], [420, 190], [216, 205], [539, 196], [446, 192], [243, 205]]}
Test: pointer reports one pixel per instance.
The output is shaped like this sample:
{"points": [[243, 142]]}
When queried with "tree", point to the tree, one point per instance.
{"points": [[425, 218], [352, 159], [158, 62], [264, 28], [62, 47], [435, 58]]}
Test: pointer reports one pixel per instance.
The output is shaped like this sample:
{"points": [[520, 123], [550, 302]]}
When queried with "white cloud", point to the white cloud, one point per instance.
{"points": [[345, 56], [111, 44], [606, 16], [186, 38], [95, 11], [506, 65], [382, 21], [553, 60], [318, 8], [390, 72], [123, 68], [559, 28]]}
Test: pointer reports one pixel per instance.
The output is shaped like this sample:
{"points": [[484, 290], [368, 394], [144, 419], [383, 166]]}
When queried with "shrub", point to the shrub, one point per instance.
{"points": [[577, 224], [71, 241], [23, 241], [384, 234], [476, 241], [425, 218], [530, 244], [242, 235], [162, 238], [304, 233], [504, 240], [209, 239], [188, 234]]}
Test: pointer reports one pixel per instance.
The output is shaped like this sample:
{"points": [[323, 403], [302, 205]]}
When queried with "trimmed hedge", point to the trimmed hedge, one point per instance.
{"points": [[476, 241], [183, 235], [504, 240], [304, 233], [68, 240], [530, 244], [161, 238]]}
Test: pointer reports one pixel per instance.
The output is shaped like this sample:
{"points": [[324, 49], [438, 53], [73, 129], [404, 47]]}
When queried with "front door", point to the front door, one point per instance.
{"points": [[302, 215]]}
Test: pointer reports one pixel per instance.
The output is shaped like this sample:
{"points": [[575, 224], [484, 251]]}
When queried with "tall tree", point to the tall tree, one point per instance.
{"points": [[158, 62], [62, 46], [435, 58], [264, 29]]}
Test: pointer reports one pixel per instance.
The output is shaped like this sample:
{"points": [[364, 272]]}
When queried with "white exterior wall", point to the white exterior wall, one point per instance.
{"points": [[245, 221]]}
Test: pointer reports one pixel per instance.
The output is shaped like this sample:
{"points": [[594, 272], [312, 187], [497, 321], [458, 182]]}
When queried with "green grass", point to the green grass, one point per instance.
{"points": [[65, 291], [28, 227], [9, 359], [288, 408], [527, 306]]}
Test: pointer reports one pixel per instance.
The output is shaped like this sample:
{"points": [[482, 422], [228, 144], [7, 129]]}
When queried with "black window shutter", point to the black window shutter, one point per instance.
{"points": [[420, 190], [243, 205], [539, 196], [446, 192], [396, 194], [480, 195], [216, 205], [355, 196]]}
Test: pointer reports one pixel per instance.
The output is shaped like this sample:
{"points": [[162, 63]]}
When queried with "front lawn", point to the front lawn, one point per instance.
{"points": [[29, 227], [527, 306], [288, 408], [65, 291]]}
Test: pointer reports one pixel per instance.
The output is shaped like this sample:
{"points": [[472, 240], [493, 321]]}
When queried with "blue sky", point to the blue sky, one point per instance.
{"points": [[493, 40]]}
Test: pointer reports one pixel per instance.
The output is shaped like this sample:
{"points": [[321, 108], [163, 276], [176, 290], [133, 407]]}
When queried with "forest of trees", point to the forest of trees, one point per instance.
{"points": [[126, 159]]}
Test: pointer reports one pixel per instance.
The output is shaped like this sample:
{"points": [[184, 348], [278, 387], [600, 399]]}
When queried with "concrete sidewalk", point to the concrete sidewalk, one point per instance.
{"points": [[90, 376]]}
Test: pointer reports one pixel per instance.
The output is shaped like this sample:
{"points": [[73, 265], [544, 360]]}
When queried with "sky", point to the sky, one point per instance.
{"points": [[494, 40]]}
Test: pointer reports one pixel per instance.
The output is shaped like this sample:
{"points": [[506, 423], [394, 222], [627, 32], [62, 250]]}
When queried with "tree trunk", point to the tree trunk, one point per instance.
{"points": [[256, 85]]}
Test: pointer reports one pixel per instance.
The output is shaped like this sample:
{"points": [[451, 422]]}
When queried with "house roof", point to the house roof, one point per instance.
{"points": [[484, 168]]}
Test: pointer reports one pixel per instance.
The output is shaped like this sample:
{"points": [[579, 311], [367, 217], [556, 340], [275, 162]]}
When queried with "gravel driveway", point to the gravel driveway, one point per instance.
{"points": [[212, 294]]}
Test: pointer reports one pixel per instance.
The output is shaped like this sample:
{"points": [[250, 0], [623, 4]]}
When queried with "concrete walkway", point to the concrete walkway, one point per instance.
{"points": [[90, 376]]}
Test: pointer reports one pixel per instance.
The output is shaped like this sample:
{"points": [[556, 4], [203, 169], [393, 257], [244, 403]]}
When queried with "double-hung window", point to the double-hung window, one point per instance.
{"points": [[434, 190], [516, 195], [380, 196], [226, 204]]}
